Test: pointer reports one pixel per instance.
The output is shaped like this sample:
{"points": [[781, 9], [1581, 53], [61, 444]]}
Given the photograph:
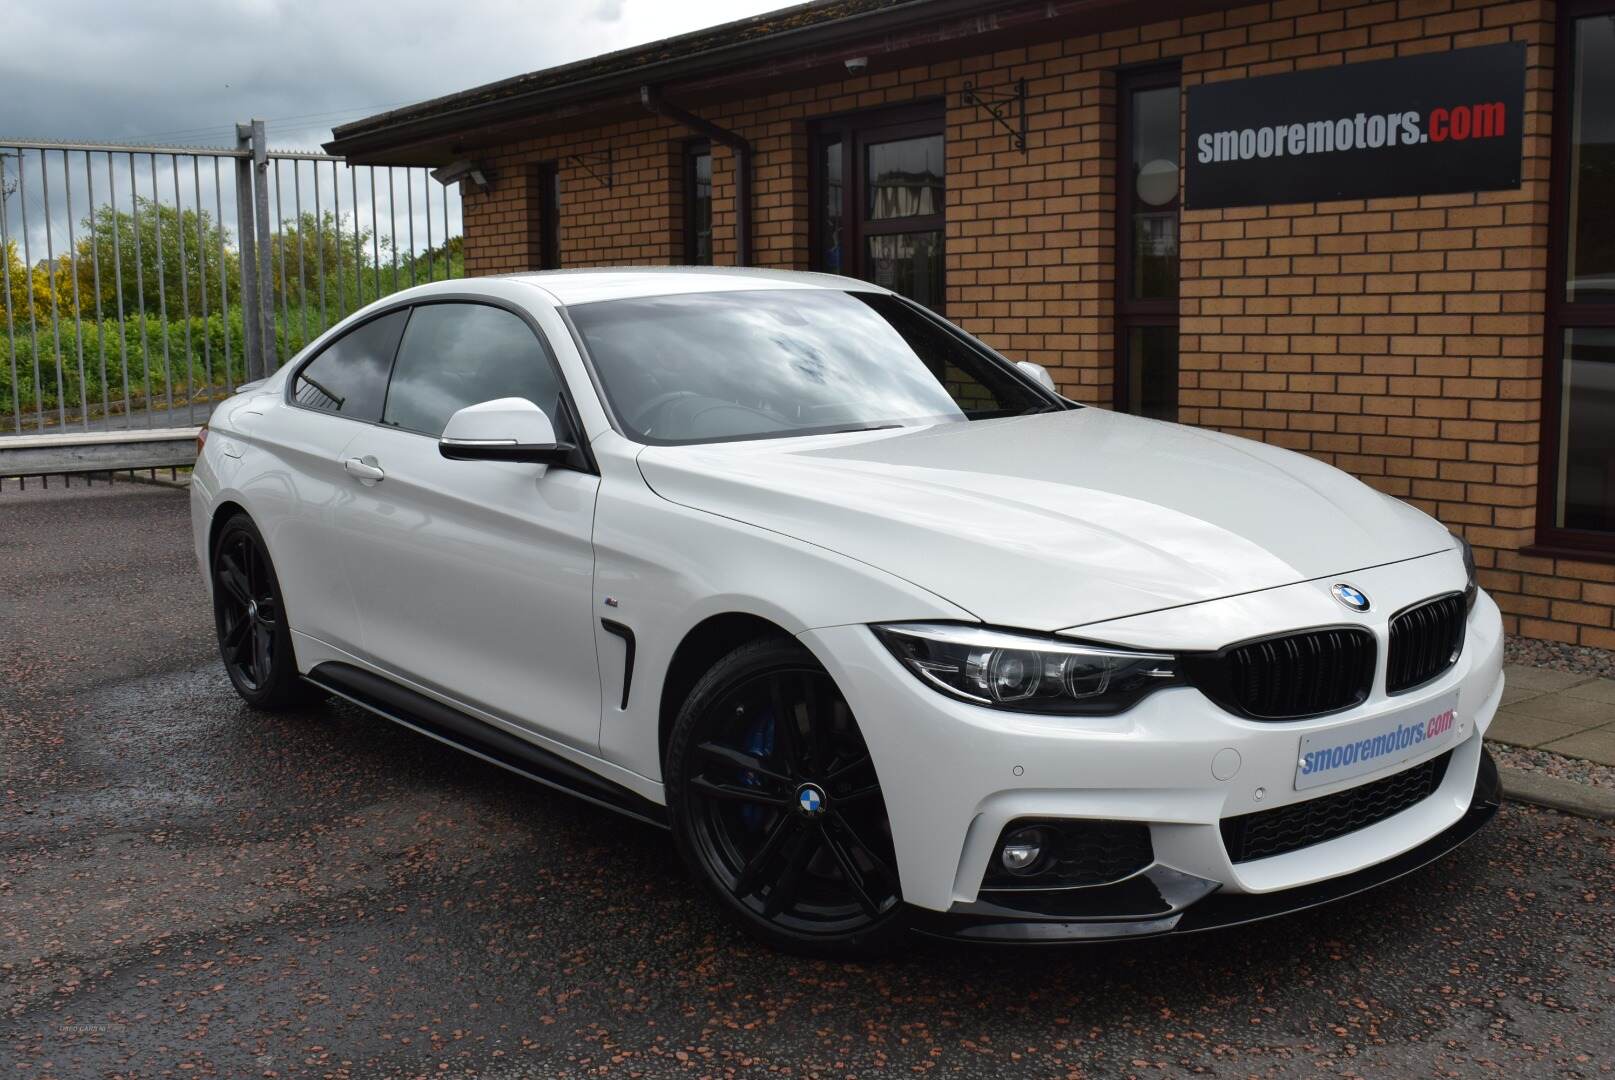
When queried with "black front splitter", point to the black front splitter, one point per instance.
{"points": [[1155, 908]]}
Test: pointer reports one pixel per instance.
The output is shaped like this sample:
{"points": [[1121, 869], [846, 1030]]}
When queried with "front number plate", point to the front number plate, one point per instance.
{"points": [[1375, 745]]}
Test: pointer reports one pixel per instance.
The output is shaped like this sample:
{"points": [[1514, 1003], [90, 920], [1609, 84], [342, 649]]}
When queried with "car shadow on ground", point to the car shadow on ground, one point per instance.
{"points": [[188, 884], [357, 876], [526, 819]]}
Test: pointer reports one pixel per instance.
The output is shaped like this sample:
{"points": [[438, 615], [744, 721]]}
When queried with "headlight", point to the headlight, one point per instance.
{"points": [[1472, 582], [1026, 672]]}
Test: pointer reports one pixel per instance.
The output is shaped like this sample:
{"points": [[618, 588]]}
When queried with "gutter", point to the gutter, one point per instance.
{"points": [[881, 32], [499, 101], [651, 98]]}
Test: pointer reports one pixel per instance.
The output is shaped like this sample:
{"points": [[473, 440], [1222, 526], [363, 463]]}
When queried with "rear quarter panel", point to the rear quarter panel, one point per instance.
{"points": [[282, 465]]}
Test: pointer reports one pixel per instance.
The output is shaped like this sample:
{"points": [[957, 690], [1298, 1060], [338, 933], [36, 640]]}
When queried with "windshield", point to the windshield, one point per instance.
{"points": [[705, 367]]}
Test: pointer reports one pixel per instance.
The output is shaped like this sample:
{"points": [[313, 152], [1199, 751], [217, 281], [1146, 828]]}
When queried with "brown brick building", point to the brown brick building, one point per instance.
{"points": [[1453, 349]]}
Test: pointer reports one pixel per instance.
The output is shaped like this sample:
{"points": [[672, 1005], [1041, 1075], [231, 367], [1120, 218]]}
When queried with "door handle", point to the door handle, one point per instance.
{"points": [[365, 469]]}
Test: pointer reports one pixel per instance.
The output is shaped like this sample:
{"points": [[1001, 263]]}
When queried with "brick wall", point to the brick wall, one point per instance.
{"points": [[1400, 339]]}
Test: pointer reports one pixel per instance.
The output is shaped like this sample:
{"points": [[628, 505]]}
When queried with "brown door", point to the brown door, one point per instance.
{"points": [[879, 183], [1147, 204], [1577, 473]]}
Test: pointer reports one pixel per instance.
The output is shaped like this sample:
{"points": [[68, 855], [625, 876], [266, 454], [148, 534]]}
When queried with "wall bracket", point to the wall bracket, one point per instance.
{"points": [[1002, 106], [652, 99], [597, 163]]}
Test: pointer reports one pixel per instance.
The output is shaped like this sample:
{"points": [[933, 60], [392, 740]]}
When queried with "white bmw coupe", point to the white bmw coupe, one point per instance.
{"points": [[888, 633]]}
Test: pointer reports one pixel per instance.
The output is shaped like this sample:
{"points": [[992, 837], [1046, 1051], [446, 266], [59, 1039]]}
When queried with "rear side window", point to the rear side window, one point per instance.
{"points": [[349, 376], [456, 355]]}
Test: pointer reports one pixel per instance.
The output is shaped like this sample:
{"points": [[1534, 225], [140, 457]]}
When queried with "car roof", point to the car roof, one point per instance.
{"points": [[587, 286]]}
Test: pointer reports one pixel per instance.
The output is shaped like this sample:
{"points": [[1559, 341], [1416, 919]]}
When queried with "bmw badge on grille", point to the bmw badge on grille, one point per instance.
{"points": [[1351, 597]]}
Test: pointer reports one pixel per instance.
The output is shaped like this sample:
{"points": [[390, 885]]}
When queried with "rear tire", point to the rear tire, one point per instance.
{"points": [[783, 822], [249, 617]]}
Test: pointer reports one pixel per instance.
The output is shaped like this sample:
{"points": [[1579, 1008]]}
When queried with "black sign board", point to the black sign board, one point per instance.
{"points": [[1418, 125]]}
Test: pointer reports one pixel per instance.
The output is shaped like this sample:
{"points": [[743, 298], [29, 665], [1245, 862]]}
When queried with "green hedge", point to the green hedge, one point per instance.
{"points": [[185, 371], [141, 347]]}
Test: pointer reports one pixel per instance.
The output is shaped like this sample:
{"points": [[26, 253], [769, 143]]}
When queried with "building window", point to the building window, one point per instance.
{"points": [[698, 203], [1578, 453], [1147, 186], [545, 225], [879, 200]]}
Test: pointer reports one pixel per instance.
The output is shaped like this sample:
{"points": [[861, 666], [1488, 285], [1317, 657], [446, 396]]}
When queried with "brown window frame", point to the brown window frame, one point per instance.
{"points": [[1561, 314], [856, 131], [1133, 314], [547, 178], [689, 152]]}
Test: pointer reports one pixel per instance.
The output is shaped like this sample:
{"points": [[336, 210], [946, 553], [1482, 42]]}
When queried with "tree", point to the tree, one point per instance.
{"points": [[354, 266], [444, 260], [310, 248], [141, 253], [31, 290]]}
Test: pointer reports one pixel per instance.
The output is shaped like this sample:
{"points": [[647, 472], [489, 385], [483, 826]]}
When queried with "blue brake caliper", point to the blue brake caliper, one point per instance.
{"points": [[759, 744]]}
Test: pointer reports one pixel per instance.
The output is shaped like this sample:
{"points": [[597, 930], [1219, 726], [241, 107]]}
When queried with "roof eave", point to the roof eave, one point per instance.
{"points": [[428, 133], [451, 114]]}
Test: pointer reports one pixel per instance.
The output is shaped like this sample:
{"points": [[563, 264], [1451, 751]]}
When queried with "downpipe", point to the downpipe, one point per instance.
{"points": [[651, 98]]}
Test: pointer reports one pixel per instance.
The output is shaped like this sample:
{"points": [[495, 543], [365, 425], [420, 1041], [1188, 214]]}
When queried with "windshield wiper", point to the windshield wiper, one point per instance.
{"points": [[857, 427]]}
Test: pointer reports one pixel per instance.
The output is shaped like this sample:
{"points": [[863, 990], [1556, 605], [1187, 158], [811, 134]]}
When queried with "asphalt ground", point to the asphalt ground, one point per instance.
{"points": [[190, 888]]}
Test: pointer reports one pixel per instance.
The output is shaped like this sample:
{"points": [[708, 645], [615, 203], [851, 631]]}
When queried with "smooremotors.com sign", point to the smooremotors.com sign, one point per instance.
{"points": [[1418, 125]]}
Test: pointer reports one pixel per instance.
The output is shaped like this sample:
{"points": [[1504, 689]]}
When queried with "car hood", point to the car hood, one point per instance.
{"points": [[1055, 520]]}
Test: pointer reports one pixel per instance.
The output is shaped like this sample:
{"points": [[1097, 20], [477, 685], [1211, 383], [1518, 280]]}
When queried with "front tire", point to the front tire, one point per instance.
{"points": [[249, 618], [777, 809]]}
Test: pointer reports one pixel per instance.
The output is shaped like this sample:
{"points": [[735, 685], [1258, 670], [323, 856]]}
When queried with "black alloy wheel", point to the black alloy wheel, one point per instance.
{"points": [[249, 616], [776, 804]]}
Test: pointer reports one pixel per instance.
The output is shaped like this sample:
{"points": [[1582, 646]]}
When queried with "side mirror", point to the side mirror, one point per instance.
{"points": [[507, 429], [1038, 372]]}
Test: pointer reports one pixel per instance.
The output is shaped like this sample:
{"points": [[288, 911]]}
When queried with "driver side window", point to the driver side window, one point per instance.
{"points": [[457, 354]]}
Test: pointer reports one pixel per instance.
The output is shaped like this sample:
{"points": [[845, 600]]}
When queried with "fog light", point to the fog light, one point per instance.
{"points": [[1066, 853], [1021, 850]]}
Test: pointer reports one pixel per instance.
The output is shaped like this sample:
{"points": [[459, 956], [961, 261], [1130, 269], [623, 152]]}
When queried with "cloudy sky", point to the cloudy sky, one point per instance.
{"points": [[185, 70], [182, 72]]}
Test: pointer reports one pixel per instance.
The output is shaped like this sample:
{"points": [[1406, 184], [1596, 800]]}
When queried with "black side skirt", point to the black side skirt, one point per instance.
{"points": [[420, 713]]}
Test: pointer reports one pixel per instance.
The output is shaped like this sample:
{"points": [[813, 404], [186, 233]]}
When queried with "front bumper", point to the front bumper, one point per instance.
{"points": [[1164, 901], [954, 775]]}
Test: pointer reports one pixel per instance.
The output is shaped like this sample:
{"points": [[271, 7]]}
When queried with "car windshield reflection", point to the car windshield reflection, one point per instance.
{"points": [[709, 367]]}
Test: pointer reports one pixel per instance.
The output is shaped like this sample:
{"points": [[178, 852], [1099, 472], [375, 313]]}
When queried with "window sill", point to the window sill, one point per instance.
{"points": [[1577, 554]]}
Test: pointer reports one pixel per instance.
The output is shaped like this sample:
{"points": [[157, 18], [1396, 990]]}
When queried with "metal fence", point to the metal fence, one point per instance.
{"points": [[140, 284]]}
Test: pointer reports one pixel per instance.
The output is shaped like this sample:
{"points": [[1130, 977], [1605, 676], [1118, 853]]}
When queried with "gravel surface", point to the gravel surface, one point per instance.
{"points": [[1548, 763], [1576, 659], [190, 888]]}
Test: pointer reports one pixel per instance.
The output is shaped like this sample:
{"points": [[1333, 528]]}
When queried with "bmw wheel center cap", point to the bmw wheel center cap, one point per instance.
{"points": [[1351, 597], [810, 799]]}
